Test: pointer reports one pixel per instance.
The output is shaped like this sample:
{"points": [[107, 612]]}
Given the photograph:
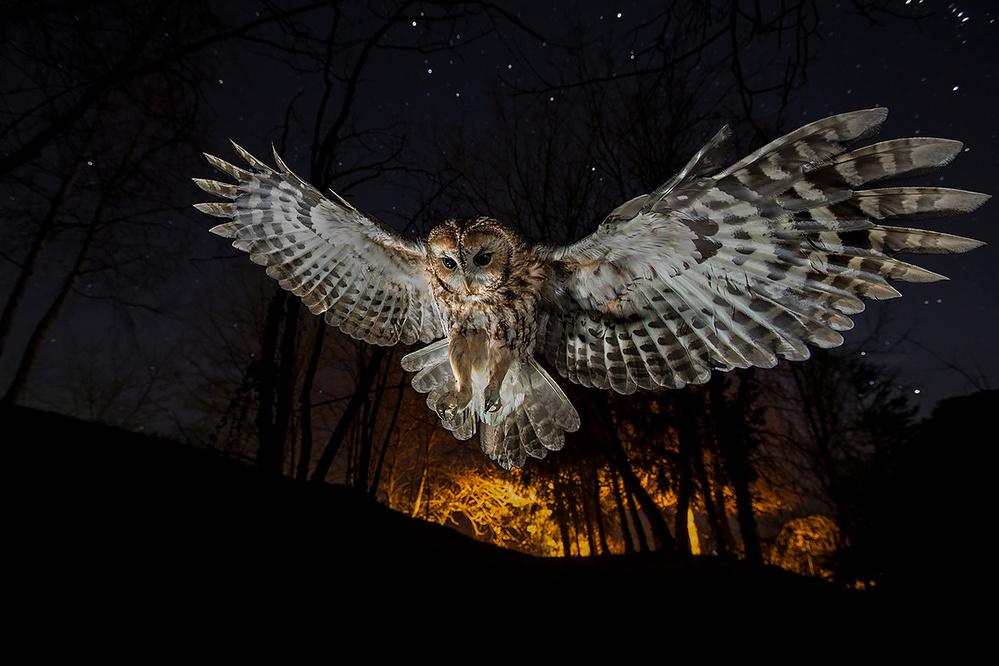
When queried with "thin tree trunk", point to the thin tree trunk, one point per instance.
{"points": [[586, 504], [368, 372], [267, 381], [562, 517], [688, 437], [305, 403], [710, 506], [662, 540], [41, 331], [419, 491], [48, 225], [719, 482], [601, 528], [42, 328], [373, 489], [271, 455], [734, 450], [636, 521], [629, 546], [370, 422]]}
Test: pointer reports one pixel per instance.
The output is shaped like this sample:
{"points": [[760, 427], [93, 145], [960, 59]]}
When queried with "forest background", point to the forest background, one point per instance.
{"points": [[120, 308]]}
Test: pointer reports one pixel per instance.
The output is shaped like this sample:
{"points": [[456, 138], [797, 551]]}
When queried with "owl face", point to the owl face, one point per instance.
{"points": [[470, 256]]}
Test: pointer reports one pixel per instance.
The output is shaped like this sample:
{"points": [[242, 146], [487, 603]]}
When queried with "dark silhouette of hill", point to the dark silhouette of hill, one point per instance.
{"points": [[925, 514], [100, 511]]}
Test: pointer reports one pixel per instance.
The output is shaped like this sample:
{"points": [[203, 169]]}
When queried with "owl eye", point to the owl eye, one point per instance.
{"points": [[483, 259], [449, 263]]}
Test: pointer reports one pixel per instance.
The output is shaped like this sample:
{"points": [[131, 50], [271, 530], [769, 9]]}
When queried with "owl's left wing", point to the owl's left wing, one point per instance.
{"points": [[735, 267], [368, 279]]}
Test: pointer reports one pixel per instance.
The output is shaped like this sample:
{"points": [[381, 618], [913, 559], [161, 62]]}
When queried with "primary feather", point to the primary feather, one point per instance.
{"points": [[369, 280], [728, 268]]}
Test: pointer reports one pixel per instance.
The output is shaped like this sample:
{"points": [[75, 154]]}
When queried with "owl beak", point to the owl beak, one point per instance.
{"points": [[468, 289]]}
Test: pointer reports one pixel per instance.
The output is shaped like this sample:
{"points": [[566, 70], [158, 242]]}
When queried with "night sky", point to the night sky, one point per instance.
{"points": [[937, 76], [939, 80]]}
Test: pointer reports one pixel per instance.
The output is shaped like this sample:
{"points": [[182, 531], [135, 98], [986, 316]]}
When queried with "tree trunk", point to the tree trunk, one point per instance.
{"points": [[267, 383], [688, 436], [41, 331], [361, 394], [710, 504], [636, 521], [562, 516], [629, 546], [373, 488], [601, 528], [662, 540], [48, 225], [734, 448], [587, 504], [305, 403]]}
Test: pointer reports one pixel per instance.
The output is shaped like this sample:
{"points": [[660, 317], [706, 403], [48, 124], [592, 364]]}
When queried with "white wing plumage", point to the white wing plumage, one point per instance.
{"points": [[368, 279], [735, 267]]}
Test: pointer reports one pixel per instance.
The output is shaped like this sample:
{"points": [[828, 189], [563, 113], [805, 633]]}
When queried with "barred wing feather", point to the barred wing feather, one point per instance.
{"points": [[368, 279], [731, 268]]}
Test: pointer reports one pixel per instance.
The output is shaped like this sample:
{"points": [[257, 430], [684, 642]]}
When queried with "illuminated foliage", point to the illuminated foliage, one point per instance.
{"points": [[486, 502], [497, 508], [806, 546]]}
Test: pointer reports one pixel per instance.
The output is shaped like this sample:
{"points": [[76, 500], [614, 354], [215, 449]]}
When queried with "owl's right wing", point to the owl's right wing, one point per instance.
{"points": [[369, 280], [733, 267]]}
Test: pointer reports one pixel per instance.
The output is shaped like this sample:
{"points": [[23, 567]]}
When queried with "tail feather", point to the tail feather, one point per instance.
{"points": [[533, 419], [533, 427]]}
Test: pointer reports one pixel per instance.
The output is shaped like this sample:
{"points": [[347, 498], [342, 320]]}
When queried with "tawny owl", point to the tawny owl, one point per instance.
{"points": [[720, 268]]}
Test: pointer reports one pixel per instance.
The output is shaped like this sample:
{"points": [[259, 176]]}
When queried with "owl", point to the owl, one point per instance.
{"points": [[721, 267]]}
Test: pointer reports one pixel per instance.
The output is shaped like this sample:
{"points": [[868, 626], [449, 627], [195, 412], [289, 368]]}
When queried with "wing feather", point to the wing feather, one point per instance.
{"points": [[368, 279], [733, 267]]}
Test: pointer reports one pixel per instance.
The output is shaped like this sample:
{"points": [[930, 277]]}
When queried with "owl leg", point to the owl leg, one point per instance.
{"points": [[501, 358], [465, 352]]}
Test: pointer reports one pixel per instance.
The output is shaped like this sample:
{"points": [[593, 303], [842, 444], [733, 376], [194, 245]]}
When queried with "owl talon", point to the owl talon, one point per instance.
{"points": [[452, 404], [491, 399]]}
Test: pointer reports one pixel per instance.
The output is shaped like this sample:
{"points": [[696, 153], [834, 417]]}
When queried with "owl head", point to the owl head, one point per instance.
{"points": [[472, 255]]}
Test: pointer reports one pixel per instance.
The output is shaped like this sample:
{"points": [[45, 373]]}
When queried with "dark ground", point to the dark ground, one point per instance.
{"points": [[155, 529]]}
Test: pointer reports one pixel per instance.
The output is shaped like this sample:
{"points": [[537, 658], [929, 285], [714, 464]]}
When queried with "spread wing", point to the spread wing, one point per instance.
{"points": [[735, 267], [368, 279]]}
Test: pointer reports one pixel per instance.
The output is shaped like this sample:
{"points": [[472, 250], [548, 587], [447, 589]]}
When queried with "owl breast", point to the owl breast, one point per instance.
{"points": [[487, 285], [506, 317]]}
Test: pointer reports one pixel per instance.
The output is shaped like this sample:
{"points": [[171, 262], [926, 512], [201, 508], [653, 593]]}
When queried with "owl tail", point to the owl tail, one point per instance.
{"points": [[533, 418], [535, 423]]}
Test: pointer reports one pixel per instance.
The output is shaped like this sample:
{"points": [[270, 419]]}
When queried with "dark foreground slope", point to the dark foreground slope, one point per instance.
{"points": [[99, 513]]}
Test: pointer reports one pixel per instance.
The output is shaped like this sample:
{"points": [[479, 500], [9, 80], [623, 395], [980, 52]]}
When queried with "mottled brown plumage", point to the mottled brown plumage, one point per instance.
{"points": [[487, 283], [720, 268]]}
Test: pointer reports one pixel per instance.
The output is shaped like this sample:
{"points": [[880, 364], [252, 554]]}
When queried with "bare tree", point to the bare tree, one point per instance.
{"points": [[100, 114], [594, 116]]}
